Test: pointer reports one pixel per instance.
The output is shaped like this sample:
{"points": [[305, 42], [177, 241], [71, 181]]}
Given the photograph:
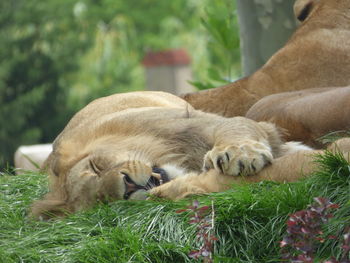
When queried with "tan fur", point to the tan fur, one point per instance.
{"points": [[307, 115], [316, 56], [109, 149]]}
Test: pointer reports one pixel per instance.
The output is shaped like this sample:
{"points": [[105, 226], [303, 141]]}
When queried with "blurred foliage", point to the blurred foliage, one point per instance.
{"points": [[33, 60], [221, 23], [56, 56]]}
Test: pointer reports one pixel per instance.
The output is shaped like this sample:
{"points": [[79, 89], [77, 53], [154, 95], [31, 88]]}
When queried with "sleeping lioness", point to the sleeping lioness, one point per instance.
{"points": [[122, 146], [317, 55]]}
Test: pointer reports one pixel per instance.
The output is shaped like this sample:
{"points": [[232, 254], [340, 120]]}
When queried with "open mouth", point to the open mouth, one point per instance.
{"points": [[158, 177]]}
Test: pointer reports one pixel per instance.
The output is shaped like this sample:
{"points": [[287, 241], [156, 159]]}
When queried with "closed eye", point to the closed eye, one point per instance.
{"points": [[305, 12], [94, 167]]}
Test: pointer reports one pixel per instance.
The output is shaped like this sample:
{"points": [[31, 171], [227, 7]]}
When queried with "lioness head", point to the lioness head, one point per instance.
{"points": [[130, 180], [91, 180], [98, 178]]}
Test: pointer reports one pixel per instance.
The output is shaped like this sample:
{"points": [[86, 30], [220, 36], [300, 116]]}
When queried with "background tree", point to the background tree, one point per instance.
{"points": [[34, 60], [221, 24], [265, 26]]}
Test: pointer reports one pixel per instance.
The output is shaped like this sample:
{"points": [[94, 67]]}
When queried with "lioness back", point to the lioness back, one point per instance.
{"points": [[120, 102]]}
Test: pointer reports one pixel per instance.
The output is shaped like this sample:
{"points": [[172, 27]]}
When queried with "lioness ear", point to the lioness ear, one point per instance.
{"points": [[303, 8], [95, 167]]}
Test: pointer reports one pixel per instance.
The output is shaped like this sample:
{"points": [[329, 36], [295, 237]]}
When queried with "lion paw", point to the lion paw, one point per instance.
{"points": [[168, 191], [245, 159], [175, 191]]}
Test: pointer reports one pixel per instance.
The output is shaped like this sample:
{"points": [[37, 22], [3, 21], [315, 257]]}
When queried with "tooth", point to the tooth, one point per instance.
{"points": [[158, 176]]}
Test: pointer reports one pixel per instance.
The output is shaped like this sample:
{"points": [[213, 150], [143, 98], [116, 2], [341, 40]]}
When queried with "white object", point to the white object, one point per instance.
{"points": [[31, 157]]}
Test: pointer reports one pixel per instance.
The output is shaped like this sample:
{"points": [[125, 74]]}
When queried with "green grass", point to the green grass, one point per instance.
{"points": [[250, 222]]}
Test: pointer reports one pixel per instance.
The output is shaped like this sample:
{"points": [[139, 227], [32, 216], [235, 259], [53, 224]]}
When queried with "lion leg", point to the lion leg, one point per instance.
{"points": [[295, 165], [287, 168], [192, 184], [340, 145], [291, 167]]}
